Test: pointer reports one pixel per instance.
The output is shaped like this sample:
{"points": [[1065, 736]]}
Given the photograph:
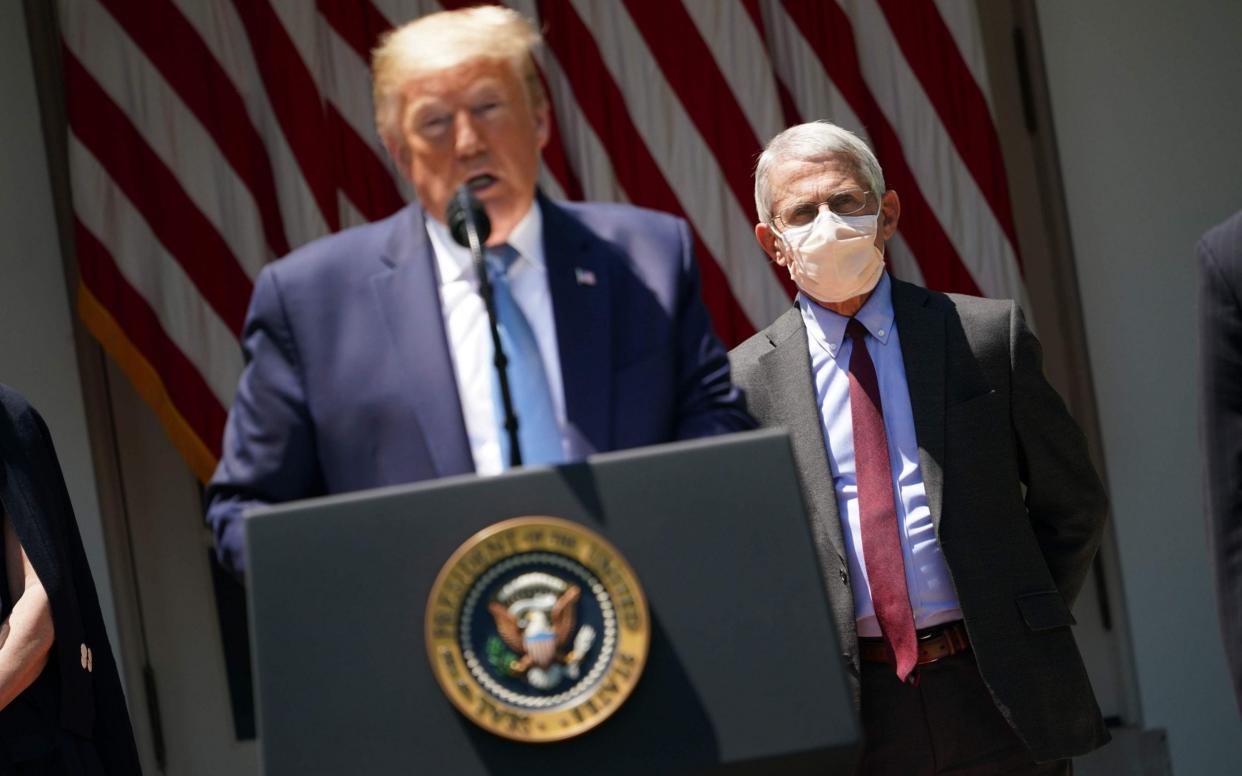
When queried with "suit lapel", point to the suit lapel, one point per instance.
{"points": [[581, 288], [409, 300], [921, 328]]}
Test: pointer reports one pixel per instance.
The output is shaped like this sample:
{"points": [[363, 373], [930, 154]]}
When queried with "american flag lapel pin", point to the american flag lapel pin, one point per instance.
{"points": [[585, 277]]}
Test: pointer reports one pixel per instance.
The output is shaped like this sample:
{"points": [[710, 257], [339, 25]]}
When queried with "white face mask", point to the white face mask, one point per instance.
{"points": [[834, 257]]}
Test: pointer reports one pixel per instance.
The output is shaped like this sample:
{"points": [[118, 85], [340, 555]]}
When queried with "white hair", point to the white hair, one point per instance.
{"points": [[443, 40], [814, 141]]}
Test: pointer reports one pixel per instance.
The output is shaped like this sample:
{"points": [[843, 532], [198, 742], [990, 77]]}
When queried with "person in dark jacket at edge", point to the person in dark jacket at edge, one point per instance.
{"points": [[61, 706]]}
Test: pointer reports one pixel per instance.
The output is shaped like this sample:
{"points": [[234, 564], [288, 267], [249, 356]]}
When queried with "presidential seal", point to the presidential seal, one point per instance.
{"points": [[537, 629]]}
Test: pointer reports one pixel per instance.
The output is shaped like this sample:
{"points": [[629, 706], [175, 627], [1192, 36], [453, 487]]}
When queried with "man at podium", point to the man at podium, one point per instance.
{"points": [[369, 352]]}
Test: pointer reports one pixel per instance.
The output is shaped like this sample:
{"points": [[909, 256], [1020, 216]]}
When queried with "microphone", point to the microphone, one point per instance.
{"points": [[468, 222], [466, 218]]}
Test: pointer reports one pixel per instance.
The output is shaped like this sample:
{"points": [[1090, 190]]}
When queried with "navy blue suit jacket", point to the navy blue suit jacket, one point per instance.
{"points": [[349, 383]]}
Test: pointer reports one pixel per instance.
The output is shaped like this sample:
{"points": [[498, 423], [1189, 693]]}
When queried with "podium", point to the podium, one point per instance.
{"points": [[742, 673]]}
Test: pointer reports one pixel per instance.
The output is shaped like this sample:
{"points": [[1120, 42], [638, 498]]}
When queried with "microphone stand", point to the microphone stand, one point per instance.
{"points": [[468, 204]]}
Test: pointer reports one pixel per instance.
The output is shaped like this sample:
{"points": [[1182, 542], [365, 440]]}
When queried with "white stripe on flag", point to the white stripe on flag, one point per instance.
{"points": [[742, 59], [186, 318], [962, 19], [941, 175], [343, 85], [901, 260], [797, 65], [584, 150], [303, 24], [223, 33], [350, 215], [171, 131], [686, 162], [399, 12]]}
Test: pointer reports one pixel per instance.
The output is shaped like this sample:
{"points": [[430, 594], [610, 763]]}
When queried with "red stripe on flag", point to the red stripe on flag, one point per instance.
{"points": [[554, 155], [957, 98], [362, 175], [185, 385], [789, 108], [358, 22], [604, 108], [756, 17], [831, 37], [690, 68], [183, 59], [179, 225], [295, 100]]}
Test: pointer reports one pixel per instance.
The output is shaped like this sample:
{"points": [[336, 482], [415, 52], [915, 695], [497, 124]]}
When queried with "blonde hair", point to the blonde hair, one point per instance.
{"points": [[443, 40]]}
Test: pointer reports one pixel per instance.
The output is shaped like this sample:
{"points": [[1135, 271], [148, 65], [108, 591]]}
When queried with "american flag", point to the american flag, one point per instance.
{"points": [[208, 137]]}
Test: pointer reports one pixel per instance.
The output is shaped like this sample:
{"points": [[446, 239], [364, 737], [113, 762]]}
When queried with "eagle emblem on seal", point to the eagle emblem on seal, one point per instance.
{"points": [[536, 618]]}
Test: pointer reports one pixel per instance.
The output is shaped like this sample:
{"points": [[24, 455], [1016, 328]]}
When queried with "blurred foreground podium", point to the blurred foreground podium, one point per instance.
{"points": [[650, 611]]}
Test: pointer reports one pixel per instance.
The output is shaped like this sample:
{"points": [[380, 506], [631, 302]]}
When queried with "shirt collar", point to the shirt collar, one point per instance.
{"points": [[828, 328], [454, 261]]}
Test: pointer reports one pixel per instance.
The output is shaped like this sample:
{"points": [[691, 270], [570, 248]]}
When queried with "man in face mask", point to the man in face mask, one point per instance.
{"points": [[953, 505]]}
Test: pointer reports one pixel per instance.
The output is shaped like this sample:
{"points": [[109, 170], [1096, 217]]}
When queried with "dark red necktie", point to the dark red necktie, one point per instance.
{"points": [[877, 512]]}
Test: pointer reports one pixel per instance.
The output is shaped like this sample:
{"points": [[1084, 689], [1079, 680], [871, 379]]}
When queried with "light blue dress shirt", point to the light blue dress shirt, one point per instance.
{"points": [[932, 596]]}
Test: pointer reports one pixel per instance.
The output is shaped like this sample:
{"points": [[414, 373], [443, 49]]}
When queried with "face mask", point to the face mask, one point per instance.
{"points": [[834, 258]]}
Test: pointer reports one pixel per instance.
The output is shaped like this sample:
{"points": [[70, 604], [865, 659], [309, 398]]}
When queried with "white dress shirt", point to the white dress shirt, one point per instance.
{"points": [[932, 597], [470, 339]]}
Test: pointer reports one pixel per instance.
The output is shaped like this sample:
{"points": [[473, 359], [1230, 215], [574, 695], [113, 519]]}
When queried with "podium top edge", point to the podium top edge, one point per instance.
{"points": [[759, 437]]}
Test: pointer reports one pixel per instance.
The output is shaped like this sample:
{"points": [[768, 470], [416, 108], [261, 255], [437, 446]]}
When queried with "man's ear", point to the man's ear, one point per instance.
{"points": [[543, 129], [890, 209], [399, 153], [771, 243]]}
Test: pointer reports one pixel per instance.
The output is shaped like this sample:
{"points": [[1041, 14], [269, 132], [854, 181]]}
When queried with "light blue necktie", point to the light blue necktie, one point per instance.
{"points": [[538, 431]]}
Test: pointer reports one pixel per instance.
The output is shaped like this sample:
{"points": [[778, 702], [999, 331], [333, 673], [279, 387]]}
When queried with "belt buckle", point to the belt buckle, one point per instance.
{"points": [[954, 641], [928, 660]]}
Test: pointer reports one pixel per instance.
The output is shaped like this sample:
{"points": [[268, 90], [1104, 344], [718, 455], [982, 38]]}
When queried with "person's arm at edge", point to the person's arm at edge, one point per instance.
{"points": [[26, 636], [268, 453], [1220, 360]]}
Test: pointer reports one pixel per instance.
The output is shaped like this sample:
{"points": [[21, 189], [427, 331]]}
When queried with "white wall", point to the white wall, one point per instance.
{"points": [[37, 354], [1147, 104]]}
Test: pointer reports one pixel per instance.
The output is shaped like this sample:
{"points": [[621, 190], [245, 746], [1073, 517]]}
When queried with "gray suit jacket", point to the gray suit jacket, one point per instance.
{"points": [[988, 424], [1220, 357]]}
